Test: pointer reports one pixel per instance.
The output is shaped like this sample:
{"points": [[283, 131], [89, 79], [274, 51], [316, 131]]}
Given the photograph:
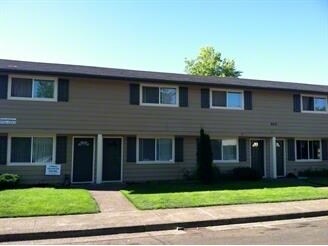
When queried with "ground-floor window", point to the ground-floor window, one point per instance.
{"points": [[31, 150], [155, 150], [308, 150], [225, 150]]}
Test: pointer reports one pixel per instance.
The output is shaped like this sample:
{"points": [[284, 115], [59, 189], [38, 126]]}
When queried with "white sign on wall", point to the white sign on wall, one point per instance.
{"points": [[53, 169], [7, 121]]}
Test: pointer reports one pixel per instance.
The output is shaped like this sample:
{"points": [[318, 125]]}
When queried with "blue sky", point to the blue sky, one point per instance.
{"points": [[274, 40]]}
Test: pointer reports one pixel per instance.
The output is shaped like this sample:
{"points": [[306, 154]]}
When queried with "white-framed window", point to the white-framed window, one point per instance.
{"points": [[159, 95], [226, 99], [308, 150], [225, 150], [31, 150], [155, 150], [34, 88], [314, 104]]}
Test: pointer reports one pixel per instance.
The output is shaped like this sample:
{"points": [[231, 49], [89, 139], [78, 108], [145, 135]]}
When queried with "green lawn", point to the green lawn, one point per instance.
{"points": [[178, 195], [45, 201]]}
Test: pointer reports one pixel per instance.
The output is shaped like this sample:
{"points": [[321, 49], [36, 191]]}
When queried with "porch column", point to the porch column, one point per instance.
{"points": [[99, 158], [274, 157]]}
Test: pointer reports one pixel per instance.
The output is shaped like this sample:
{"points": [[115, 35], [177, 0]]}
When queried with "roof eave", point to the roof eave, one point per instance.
{"points": [[140, 79]]}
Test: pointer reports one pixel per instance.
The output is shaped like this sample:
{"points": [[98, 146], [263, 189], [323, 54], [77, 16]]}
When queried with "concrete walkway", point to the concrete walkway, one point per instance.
{"points": [[118, 215], [112, 201]]}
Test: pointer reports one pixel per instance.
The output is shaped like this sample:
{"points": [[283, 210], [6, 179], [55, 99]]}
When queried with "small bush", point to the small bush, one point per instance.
{"points": [[291, 176], [8, 180], [189, 174], [314, 173], [245, 173], [216, 173]]}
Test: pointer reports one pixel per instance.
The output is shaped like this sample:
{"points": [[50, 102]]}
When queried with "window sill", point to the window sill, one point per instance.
{"points": [[160, 105], [309, 160], [226, 108], [228, 161], [314, 112], [155, 162], [33, 99], [29, 164]]}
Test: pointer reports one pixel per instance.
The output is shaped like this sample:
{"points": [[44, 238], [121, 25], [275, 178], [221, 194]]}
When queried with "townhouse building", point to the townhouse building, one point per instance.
{"points": [[114, 125]]}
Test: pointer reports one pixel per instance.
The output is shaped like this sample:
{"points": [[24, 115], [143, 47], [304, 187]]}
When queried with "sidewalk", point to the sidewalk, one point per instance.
{"points": [[119, 216]]}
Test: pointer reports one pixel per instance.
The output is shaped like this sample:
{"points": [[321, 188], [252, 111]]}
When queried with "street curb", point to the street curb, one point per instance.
{"points": [[153, 227]]}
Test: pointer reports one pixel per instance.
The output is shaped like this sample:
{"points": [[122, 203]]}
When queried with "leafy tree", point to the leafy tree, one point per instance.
{"points": [[210, 63], [204, 158], [44, 89]]}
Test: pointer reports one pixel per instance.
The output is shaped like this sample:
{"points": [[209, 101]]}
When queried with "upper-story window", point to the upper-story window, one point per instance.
{"points": [[314, 103], [227, 99], [159, 95], [32, 88]]}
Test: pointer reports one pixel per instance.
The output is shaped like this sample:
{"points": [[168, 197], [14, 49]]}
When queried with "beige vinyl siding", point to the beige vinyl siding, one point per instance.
{"points": [[102, 106], [144, 172], [228, 167], [295, 167], [30, 174], [99, 106]]}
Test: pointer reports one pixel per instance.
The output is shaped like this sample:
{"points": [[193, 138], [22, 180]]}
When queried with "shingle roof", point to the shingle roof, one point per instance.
{"points": [[14, 66]]}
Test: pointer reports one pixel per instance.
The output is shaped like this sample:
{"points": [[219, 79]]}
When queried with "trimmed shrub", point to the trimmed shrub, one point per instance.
{"points": [[8, 180], [245, 173], [314, 173], [291, 176], [216, 173], [189, 174], [204, 159]]}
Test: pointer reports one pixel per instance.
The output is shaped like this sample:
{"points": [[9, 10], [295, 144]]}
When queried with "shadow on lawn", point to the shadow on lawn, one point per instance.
{"points": [[24, 186], [105, 186], [172, 187]]}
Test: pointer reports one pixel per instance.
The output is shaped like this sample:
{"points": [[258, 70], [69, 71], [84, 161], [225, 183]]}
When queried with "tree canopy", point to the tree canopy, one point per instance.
{"points": [[209, 62]]}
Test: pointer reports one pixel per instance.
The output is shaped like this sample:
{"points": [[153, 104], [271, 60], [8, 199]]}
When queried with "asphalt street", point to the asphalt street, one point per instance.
{"points": [[299, 231]]}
